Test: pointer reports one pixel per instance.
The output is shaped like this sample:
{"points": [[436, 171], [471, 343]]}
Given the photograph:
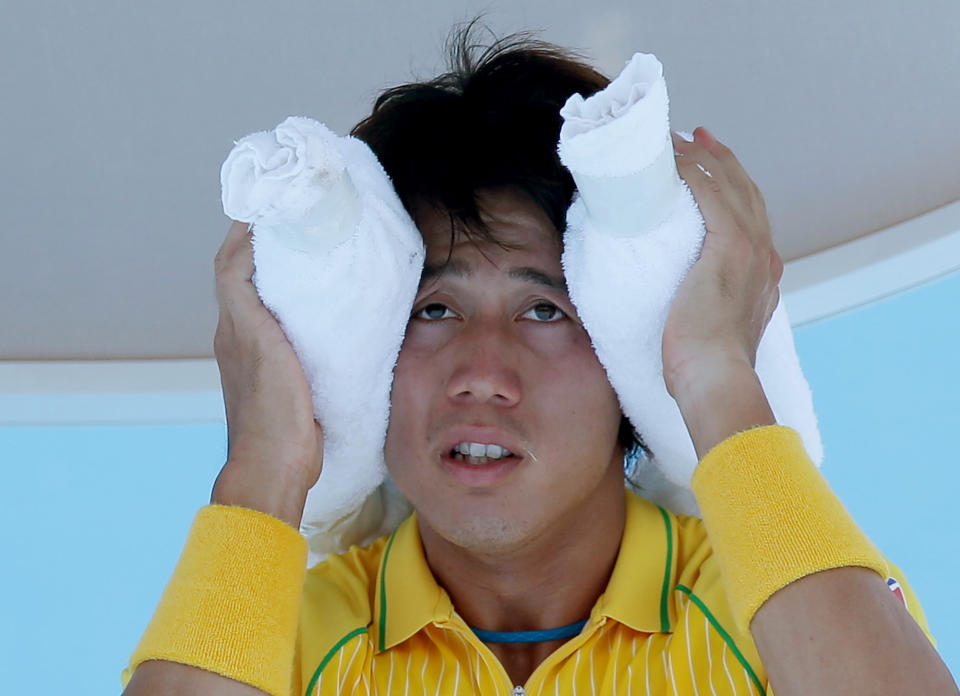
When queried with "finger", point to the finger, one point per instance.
{"points": [[236, 250], [733, 168], [709, 194], [745, 198], [697, 151], [233, 264], [717, 148], [238, 230]]}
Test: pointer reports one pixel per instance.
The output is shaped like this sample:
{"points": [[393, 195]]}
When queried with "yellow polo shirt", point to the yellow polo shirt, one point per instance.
{"points": [[374, 621]]}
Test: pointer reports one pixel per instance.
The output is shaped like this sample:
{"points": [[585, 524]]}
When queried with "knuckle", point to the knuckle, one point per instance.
{"points": [[743, 247], [724, 153], [220, 262], [228, 275], [713, 186], [739, 251], [776, 264], [757, 196], [222, 334], [219, 344]]}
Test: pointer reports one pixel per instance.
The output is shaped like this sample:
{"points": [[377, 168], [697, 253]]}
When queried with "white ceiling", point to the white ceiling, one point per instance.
{"points": [[116, 116]]}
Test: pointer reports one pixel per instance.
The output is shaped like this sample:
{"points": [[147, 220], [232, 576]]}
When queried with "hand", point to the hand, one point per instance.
{"points": [[275, 446], [721, 309]]}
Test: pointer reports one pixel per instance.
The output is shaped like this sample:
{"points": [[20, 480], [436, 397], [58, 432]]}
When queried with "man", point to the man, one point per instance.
{"points": [[527, 568]]}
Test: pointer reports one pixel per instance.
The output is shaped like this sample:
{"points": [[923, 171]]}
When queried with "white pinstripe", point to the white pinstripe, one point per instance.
{"points": [[616, 656], [494, 677], [666, 672], [350, 664], [340, 664], [390, 677], [423, 670], [706, 635], [443, 667], [456, 682], [479, 688], [474, 678], [686, 623], [646, 661], [406, 688], [365, 682], [543, 683], [573, 679], [673, 680], [723, 659], [593, 682]]}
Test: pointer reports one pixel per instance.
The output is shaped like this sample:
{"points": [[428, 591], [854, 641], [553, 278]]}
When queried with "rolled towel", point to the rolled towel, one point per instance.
{"points": [[633, 232], [337, 261]]}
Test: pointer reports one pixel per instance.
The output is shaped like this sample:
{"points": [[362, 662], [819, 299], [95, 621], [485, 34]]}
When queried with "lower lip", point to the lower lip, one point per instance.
{"points": [[477, 476]]}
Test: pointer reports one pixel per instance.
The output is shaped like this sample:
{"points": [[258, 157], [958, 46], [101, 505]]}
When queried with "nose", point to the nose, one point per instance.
{"points": [[485, 371]]}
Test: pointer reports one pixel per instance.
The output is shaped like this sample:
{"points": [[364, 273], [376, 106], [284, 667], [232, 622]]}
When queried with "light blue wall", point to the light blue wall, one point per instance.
{"points": [[886, 386], [92, 520]]}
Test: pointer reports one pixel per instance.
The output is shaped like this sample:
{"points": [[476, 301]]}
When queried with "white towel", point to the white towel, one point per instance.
{"points": [[337, 260], [633, 232]]}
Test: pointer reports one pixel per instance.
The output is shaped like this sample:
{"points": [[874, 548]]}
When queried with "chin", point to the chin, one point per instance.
{"points": [[485, 530]]}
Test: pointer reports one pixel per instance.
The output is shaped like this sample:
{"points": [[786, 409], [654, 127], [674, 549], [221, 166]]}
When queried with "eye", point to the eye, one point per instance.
{"points": [[433, 312], [545, 312]]}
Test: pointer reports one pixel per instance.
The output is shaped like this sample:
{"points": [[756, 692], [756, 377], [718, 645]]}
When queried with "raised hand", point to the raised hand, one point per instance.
{"points": [[275, 446], [721, 309]]}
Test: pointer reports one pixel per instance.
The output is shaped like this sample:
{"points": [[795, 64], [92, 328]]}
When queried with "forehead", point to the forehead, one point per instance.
{"points": [[513, 218]]}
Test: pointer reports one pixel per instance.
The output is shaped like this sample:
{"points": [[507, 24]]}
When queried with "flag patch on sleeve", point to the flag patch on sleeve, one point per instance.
{"points": [[896, 589]]}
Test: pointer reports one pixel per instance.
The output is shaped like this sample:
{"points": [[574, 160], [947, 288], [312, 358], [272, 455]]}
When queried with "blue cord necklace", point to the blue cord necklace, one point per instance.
{"points": [[568, 631]]}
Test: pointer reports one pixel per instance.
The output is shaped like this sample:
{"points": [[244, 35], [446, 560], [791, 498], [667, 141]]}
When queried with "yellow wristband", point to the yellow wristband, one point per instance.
{"points": [[233, 602], [772, 518]]}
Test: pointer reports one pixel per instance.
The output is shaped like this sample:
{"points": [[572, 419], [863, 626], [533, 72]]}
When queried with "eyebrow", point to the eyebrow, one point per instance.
{"points": [[460, 269]]}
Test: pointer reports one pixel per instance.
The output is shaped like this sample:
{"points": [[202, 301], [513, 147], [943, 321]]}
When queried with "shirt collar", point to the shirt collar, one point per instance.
{"points": [[408, 597], [638, 593]]}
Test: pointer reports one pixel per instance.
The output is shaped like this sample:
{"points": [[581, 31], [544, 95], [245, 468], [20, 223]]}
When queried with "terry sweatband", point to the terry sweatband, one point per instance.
{"points": [[772, 518], [233, 602]]}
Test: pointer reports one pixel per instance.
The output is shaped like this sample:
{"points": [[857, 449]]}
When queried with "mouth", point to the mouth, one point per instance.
{"points": [[479, 454], [477, 464]]}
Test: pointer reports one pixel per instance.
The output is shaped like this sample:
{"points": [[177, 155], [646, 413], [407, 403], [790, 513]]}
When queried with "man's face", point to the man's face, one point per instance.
{"points": [[495, 355]]}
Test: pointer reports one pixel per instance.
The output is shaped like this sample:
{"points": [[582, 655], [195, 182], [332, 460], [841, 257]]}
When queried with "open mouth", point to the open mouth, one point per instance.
{"points": [[477, 454], [475, 468]]}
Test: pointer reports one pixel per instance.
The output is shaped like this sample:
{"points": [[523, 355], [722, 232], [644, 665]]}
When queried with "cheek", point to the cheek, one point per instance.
{"points": [[568, 358], [576, 389], [409, 396]]}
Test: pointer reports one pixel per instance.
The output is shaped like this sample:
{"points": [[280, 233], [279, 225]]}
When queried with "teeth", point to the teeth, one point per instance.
{"points": [[480, 451], [494, 451]]}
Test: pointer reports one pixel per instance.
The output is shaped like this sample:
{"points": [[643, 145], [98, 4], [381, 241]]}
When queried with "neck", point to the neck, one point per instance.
{"points": [[547, 581]]}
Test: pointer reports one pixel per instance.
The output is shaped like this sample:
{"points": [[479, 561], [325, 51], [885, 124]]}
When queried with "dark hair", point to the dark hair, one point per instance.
{"points": [[492, 121]]}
